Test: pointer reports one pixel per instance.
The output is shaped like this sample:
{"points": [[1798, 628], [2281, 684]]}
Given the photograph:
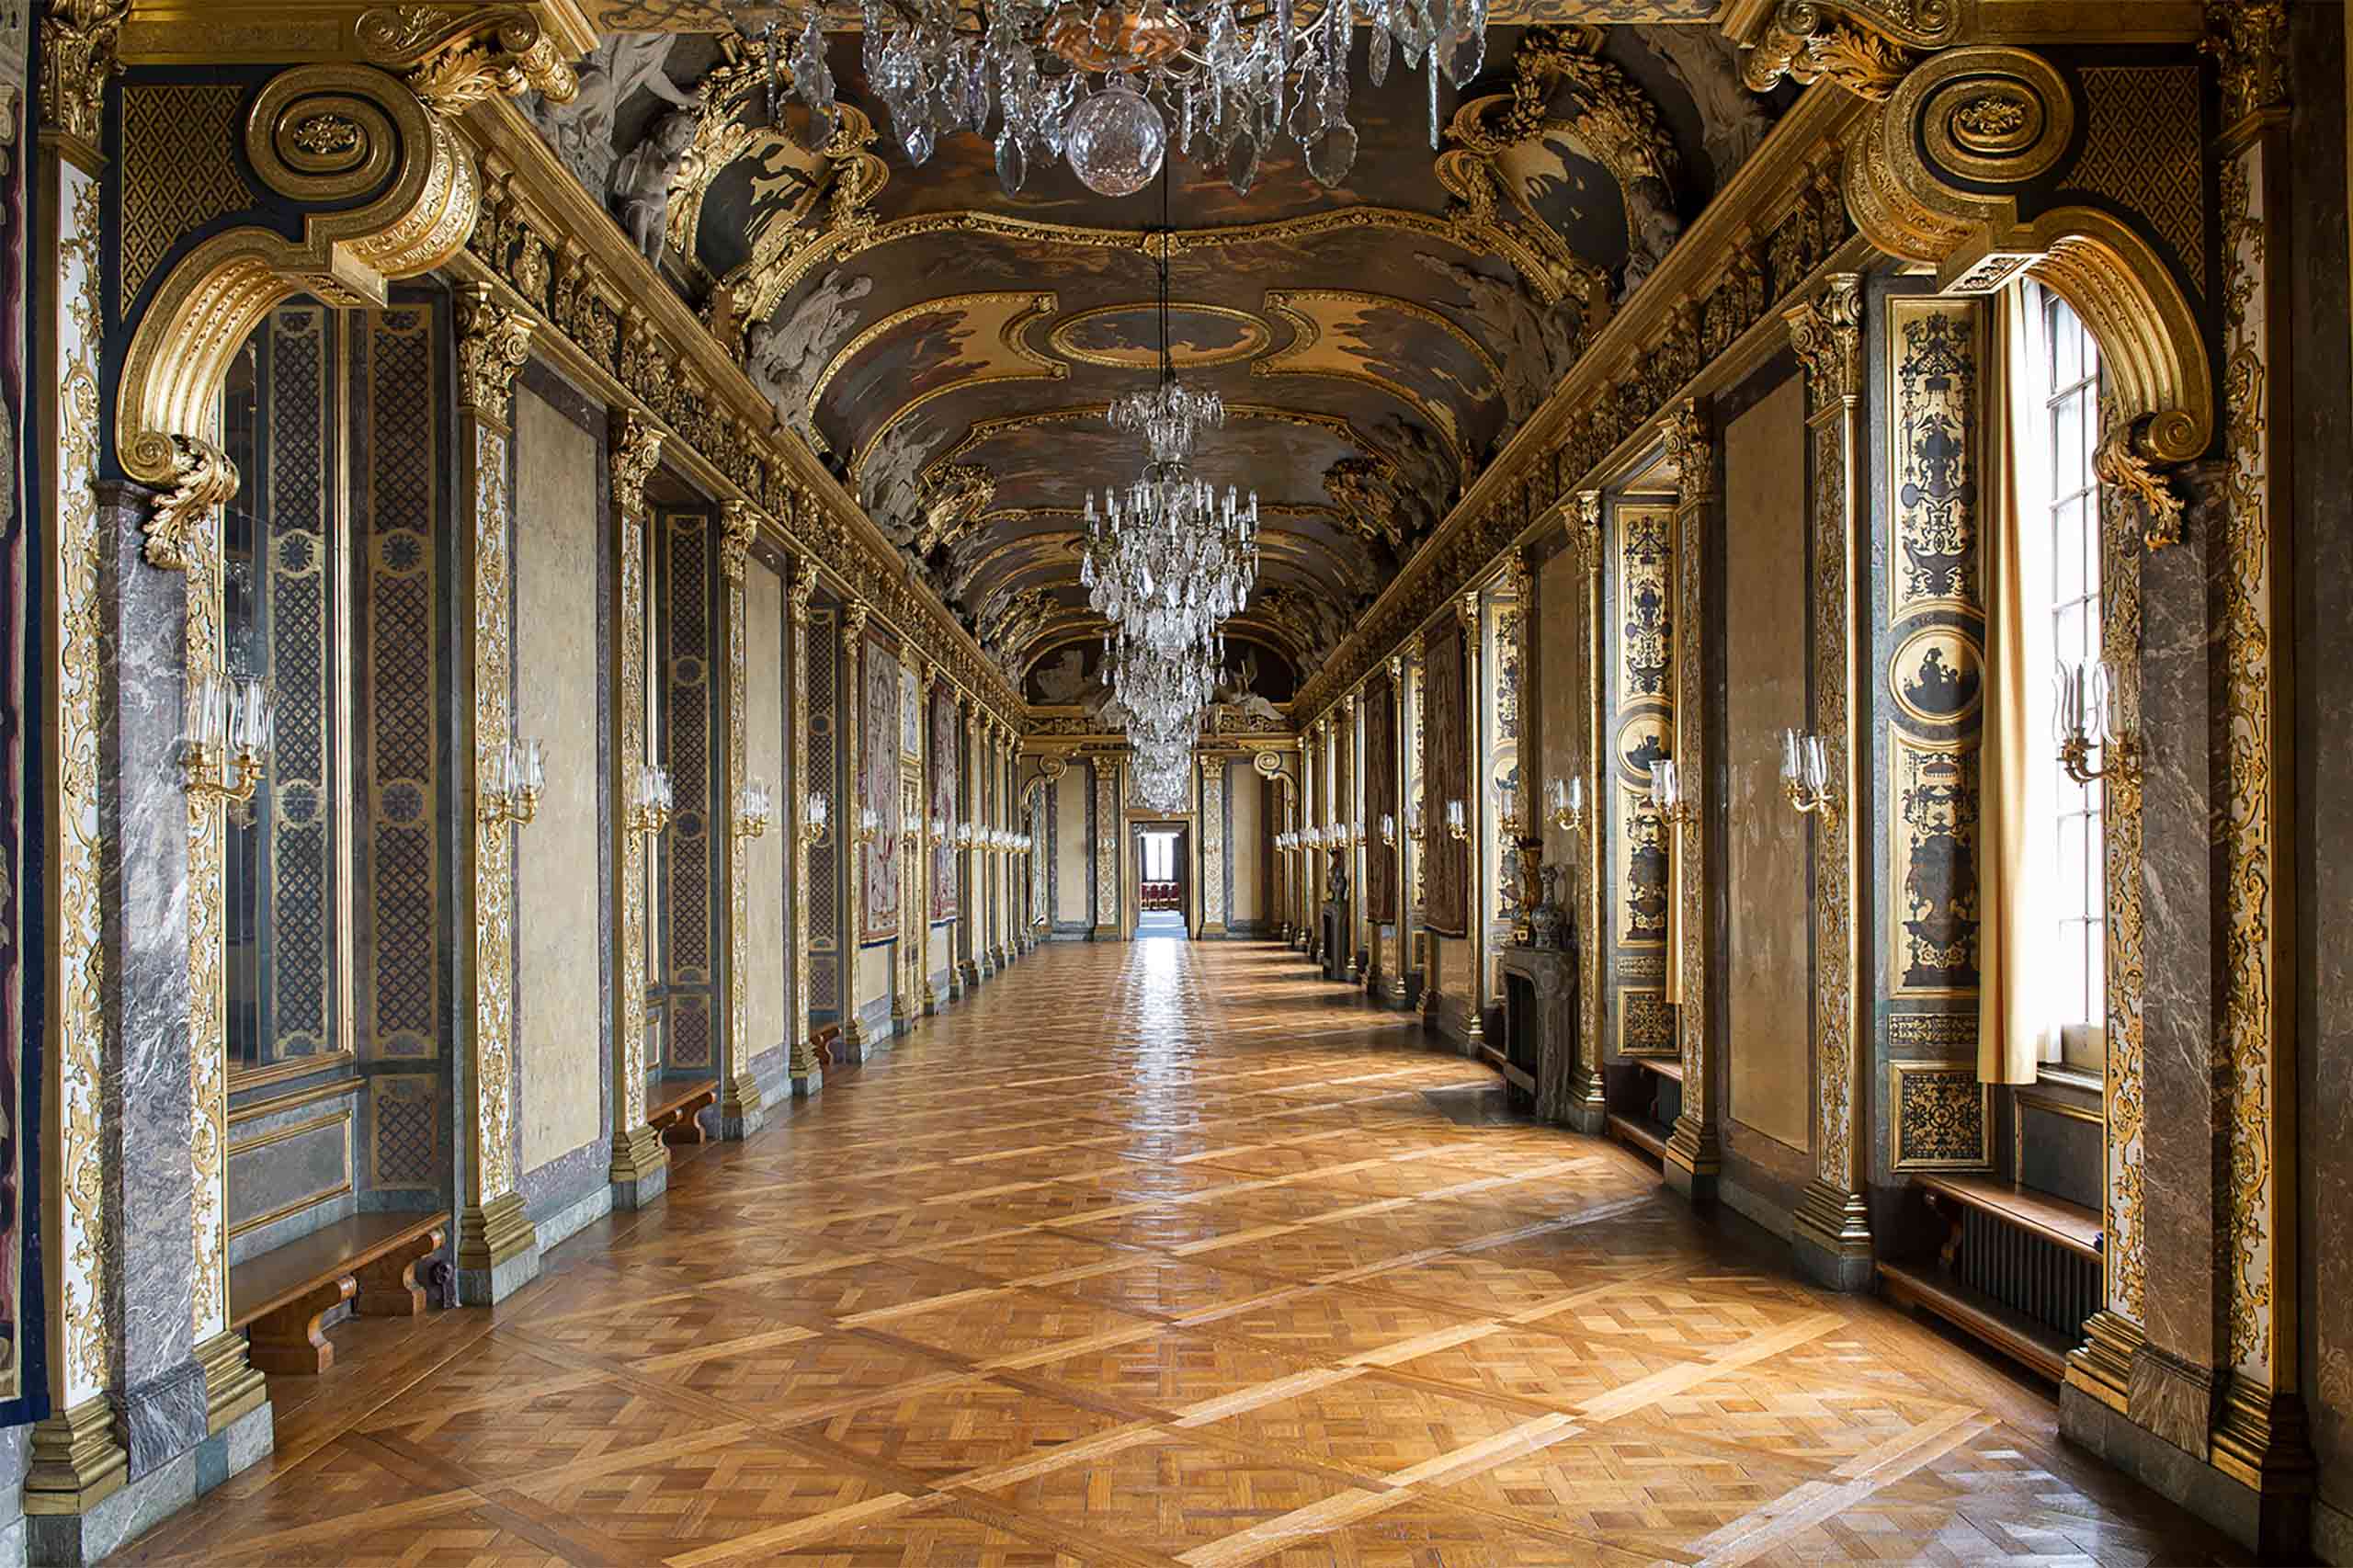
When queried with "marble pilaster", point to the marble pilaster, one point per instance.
{"points": [[157, 1386]]}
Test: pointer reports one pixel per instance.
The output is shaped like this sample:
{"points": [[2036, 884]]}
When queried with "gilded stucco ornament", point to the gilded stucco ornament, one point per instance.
{"points": [[1865, 46], [418, 197], [1935, 178], [203, 479], [2249, 39], [739, 526], [456, 60], [77, 55], [493, 344], [2137, 481], [634, 454]]}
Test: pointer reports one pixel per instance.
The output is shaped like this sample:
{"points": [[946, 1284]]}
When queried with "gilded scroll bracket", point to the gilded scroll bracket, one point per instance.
{"points": [[453, 60]]}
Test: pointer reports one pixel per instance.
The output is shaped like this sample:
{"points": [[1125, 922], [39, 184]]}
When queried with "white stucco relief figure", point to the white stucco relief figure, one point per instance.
{"points": [[786, 357]]}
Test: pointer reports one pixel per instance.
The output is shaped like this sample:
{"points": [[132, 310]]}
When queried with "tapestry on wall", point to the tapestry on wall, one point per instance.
{"points": [[23, 1393], [1448, 737], [943, 804], [1379, 796], [878, 787]]}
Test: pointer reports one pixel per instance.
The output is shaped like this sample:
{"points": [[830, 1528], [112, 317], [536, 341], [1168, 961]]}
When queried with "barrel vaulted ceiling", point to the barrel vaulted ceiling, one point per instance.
{"points": [[949, 351]]}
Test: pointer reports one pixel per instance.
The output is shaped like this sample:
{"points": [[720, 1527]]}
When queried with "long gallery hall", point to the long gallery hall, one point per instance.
{"points": [[1150, 1257], [1345, 783]]}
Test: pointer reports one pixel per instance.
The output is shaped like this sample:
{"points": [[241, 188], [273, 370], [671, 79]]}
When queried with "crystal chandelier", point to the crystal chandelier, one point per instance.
{"points": [[1230, 78]]}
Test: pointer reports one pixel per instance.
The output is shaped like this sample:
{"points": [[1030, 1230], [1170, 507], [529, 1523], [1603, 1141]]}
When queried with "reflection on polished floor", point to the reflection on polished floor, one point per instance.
{"points": [[1166, 1253]]}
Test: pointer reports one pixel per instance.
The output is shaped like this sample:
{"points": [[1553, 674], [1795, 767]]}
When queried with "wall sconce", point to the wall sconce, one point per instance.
{"points": [[511, 793], [1805, 775], [1507, 818], [1021, 845], [1565, 800], [1413, 819], [869, 824], [2086, 720], [1388, 830], [942, 833], [812, 819], [1355, 834], [754, 808], [229, 738], [650, 800], [1667, 794], [1457, 827]]}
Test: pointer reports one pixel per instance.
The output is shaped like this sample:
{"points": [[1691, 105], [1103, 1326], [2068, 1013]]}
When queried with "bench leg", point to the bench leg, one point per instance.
{"points": [[289, 1341], [388, 1287], [685, 1129]]}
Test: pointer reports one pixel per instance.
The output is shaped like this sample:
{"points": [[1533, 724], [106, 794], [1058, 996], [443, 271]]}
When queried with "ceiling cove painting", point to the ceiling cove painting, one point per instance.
{"points": [[948, 350]]}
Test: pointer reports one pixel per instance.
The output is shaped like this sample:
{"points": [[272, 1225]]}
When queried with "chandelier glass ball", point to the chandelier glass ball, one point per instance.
{"points": [[1219, 82], [1116, 141]]}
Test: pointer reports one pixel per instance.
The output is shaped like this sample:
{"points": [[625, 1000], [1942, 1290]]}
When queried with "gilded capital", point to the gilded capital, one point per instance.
{"points": [[2249, 39], [1585, 529], [854, 617], [493, 344], [456, 60], [1466, 610], [634, 457], [77, 55], [739, 525], [1827, 334], [804, 586], [1685, 431], [203, 479]]}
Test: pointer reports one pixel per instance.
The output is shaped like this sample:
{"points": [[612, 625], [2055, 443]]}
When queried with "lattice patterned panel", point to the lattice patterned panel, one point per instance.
{"points": [[405, 1149], [401, 975], [297, 607]]}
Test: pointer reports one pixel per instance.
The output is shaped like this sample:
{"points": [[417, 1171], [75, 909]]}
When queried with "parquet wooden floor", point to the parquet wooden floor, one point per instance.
{"points": [[1153, 1255]]}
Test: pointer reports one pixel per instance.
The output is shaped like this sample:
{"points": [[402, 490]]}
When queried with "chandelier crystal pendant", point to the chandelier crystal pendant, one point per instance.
{"points": [[1231, 79]]}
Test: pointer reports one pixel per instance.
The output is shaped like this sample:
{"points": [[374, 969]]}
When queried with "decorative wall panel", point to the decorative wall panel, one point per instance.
{"points": [[1933, 691], [691, 848], [295, 606], [21, 1153], [767, 938], [824, 762], [1941, 1118], [942, 763], [878, 758], [1645, 727], [1446, 690], [1379, 795], [402, 1009]]}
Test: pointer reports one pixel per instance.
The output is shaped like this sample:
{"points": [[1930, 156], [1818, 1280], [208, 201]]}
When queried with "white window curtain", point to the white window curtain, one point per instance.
{"points": [[2018, 844]]}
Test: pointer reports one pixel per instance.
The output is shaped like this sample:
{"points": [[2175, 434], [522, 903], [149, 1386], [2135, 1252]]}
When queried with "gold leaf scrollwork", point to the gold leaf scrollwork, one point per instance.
{"points": [[1684, 432], [77, 55], [2137, 480], [462, 59], [739, 525], [326, 136], [1585, 530], [493, 344], [634, 454], [203, 479], [2249, 39], [1865, 46], [1827, 336]]}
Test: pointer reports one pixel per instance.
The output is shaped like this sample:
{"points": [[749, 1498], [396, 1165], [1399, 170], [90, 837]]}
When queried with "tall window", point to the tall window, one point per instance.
{"points": [[2066, 367], [1160, 856]]}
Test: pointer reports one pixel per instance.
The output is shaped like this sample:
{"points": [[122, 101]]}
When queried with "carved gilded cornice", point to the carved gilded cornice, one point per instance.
{"points": [[1864, 46], [78, 41], [1935, 178], [425, 199], [1827, 333], [1780, 220], [454, 60], [608, 322], [634, 453]]}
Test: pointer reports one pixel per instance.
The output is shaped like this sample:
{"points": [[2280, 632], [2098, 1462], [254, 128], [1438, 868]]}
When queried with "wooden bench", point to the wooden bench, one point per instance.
{"points": [[369, 1260], [1943, 1287], [679, 1104]]}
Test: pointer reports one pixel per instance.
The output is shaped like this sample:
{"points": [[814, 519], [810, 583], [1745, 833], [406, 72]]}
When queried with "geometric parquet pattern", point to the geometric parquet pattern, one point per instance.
{"points": [[1154, 1255]]}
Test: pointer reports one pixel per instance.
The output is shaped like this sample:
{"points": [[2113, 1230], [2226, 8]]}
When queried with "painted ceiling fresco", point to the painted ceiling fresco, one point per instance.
{"points": [[949, 351]]}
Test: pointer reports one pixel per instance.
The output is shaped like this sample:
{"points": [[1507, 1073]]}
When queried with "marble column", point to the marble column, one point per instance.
{"points": [[1393, 959], [498, 1248], [740, 1111], [1831, 1235], [156, 1382], [1479, 811], [1416, 813], [926, 676], [1105, 849], [855, 1046], [808, 1075], [640, 1171], [1212, 837], [1694, 1154], [1588, 1108]]}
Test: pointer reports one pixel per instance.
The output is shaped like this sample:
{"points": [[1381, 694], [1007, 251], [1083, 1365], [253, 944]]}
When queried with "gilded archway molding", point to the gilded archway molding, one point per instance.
{"points": [[2003, 117], [318, 135]]}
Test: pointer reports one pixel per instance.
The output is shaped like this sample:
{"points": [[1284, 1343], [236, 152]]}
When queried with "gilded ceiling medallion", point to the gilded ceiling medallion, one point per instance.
{"points": [[1126, 336]]}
